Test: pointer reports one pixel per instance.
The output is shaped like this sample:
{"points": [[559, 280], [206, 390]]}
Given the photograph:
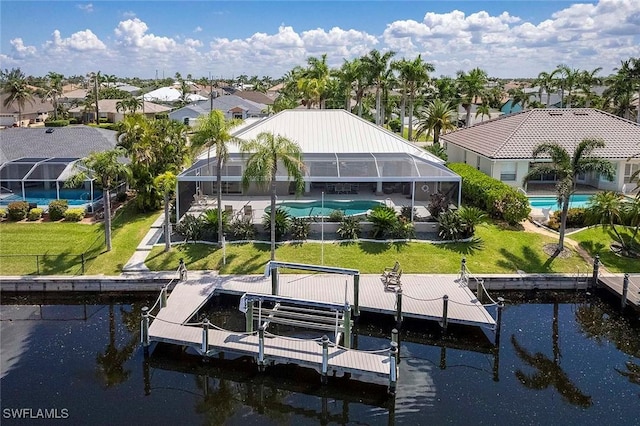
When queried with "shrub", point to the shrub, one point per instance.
{"points": [[336, 216], [57, 209], [74, 215], [243, 229], [17, 210], [35, 214], [74, 120], [406, 211], [56, 123], [190, 227], [3, 213], [209, 219], [403, 229], [395, 125], [121, 196], [576, 218], [498, 199], [437, 150], [384, 220], [283, 222], [349, 228], [438, 203], [300, 228], [451, 227]]}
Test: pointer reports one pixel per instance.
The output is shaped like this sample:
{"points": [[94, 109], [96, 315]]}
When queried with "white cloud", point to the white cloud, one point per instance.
{"points": [[87, 7], [79, 41], [20, 50], [132, 34], [129, 14], [197, 29]]}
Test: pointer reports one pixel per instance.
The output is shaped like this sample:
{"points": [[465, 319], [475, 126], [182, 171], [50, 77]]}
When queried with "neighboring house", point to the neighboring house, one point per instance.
{"points": [[254, 96], [502, 148], [170, 94], [231, 105], [40, 159], [36, 111], [342, 152], [107, 109]]}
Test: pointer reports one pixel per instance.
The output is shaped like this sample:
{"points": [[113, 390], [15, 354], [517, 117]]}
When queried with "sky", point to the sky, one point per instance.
{"points": [[225, 39]]}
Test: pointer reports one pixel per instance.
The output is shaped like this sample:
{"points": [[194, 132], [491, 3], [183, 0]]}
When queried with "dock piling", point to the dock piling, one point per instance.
{"points": [[145, 330], [356, 295], [463, 270], [205, 337], [163, 297], [625, 291], [249, 318], [445, 312], [479, 291], [325, 358], [394, 339], [499, 320], [393, 372], [596, 267], [261, 348], [274, 281], [398, 308], [182, 269], [347, 327]]}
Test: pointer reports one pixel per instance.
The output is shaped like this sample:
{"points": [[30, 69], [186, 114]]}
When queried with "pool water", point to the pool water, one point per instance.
{"points": [[576, 201], [75, 197], [317, 208]]}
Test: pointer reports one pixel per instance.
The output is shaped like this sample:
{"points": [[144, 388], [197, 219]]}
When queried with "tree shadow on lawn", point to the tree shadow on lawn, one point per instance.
{"points": [[610, 259], [471, 247], [528, 261], [374, 248]]}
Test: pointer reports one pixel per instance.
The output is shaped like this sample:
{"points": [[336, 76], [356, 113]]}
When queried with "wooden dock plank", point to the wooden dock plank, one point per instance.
{"points": [[614, 284]]}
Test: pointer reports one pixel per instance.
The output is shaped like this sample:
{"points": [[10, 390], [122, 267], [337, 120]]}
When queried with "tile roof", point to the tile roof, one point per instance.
{"points": [[37, 105], [109, 106], [515, 136], [63, 142]]}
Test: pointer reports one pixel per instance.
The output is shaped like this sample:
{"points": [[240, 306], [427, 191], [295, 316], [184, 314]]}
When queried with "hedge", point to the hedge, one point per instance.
{"points": [[35, 214], [56, 123], [74, 215], [498, 199], [57, 209], [17, 210]]}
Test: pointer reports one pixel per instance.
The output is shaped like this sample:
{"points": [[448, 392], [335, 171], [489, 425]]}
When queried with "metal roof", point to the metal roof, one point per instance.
{"points": [[516, 135]]}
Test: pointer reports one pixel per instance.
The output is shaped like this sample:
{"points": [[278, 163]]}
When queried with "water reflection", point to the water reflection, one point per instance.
{"points": [[549, 372]]}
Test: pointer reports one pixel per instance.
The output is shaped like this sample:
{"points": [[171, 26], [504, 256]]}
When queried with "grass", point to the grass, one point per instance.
{"points": [[597, 241], [56, 247], [494, 251]]}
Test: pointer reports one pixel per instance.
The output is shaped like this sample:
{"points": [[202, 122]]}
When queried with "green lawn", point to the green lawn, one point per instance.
{"points": [[496, 251], [596, 241], [59, 245]]}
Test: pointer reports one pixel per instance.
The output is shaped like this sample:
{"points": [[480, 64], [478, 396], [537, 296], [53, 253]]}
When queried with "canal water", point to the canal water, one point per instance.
{"points": [[79, 361]]}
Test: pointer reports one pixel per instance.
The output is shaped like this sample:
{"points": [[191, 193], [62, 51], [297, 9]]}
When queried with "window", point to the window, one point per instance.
{"points": [[630, 169], [508, 171]]}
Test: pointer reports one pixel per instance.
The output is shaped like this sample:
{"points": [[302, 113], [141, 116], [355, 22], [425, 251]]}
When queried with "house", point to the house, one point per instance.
{"points": [[108, 109], [36, 111], [502, 147], [39, 159], [231, 105], [170, 94], [343, 154]]}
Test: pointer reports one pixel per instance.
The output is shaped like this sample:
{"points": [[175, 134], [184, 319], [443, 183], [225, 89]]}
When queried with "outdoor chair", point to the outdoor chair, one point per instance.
{"points": [[393, 280], [248, 212], [388, 271], [228, 209]]}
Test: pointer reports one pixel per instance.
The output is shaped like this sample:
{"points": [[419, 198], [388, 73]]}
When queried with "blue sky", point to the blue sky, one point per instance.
{"points": [[515, 38]]}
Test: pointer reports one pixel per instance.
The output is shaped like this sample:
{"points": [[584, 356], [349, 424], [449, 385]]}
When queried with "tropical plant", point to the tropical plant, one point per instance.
{"points": [[566, 78], [409, 213], [190, 227], [436, 117], [545, 83], [53, 90], [450, 225], [277, 224], [299, 227], [314, 81], [567, 167], [108, 169], [349, 228], [243, 228], [265, 152], [471, 86], [471, 217], [214, 131], [483, 110], [95, 79], [608, 209], [403, 229], [210, 218], [586, 81], [413, 74], [336, 215], [384, 220], [14, 84], [166, 184], [376, 65]]}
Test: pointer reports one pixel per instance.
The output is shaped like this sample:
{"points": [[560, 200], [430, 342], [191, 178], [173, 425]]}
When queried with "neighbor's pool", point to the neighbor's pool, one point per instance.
{"points": [[317, 208], [576, 201], [75, 197]]}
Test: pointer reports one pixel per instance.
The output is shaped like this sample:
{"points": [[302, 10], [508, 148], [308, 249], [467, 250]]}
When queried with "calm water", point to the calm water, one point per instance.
{"points": [[318, 208], [581, 368], [575, 201]]}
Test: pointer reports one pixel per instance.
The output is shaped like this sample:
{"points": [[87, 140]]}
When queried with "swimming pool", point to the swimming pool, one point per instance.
{"points": [[551, 202], [76, 198], [315, 208]]}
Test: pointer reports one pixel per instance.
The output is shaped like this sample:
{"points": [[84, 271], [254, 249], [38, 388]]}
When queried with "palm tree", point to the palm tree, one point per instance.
{"points": [[586, 81], [348, 76], [413, 74], [609, 208], [377, 65], [107, 168], [54, 90], [471, 86], [567, 79], [314, 81], [14, 83], [215, 131], [482, 111], [545, 82], [265, 152], [567, 168], [166, 184], [95, 78], [436, 117], [635, 75]]}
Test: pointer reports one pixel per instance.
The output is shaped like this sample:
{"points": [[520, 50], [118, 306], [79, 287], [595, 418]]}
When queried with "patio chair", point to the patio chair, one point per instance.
{"points": [[228, 209], [393, 280], [388, 271]]}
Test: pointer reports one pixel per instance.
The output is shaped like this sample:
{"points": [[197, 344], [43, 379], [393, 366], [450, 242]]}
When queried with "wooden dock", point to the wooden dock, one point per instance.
{"points": [[615, 284], [426, 297]]}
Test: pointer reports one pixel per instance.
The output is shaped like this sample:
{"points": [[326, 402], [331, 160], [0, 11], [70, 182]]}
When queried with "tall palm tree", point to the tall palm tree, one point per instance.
{"points": [[586, 81], [471, 86], [214, 131], [567, 167], [482, 111], [413, 75], [377, 65], [545, 82], [107, 168], [348, 76], [95, 79], [314, 81], [567, 79], [437, 117], [635, 76], [53, 90], [265, 152], [14, 83], [166, 184], [609, 208]]}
